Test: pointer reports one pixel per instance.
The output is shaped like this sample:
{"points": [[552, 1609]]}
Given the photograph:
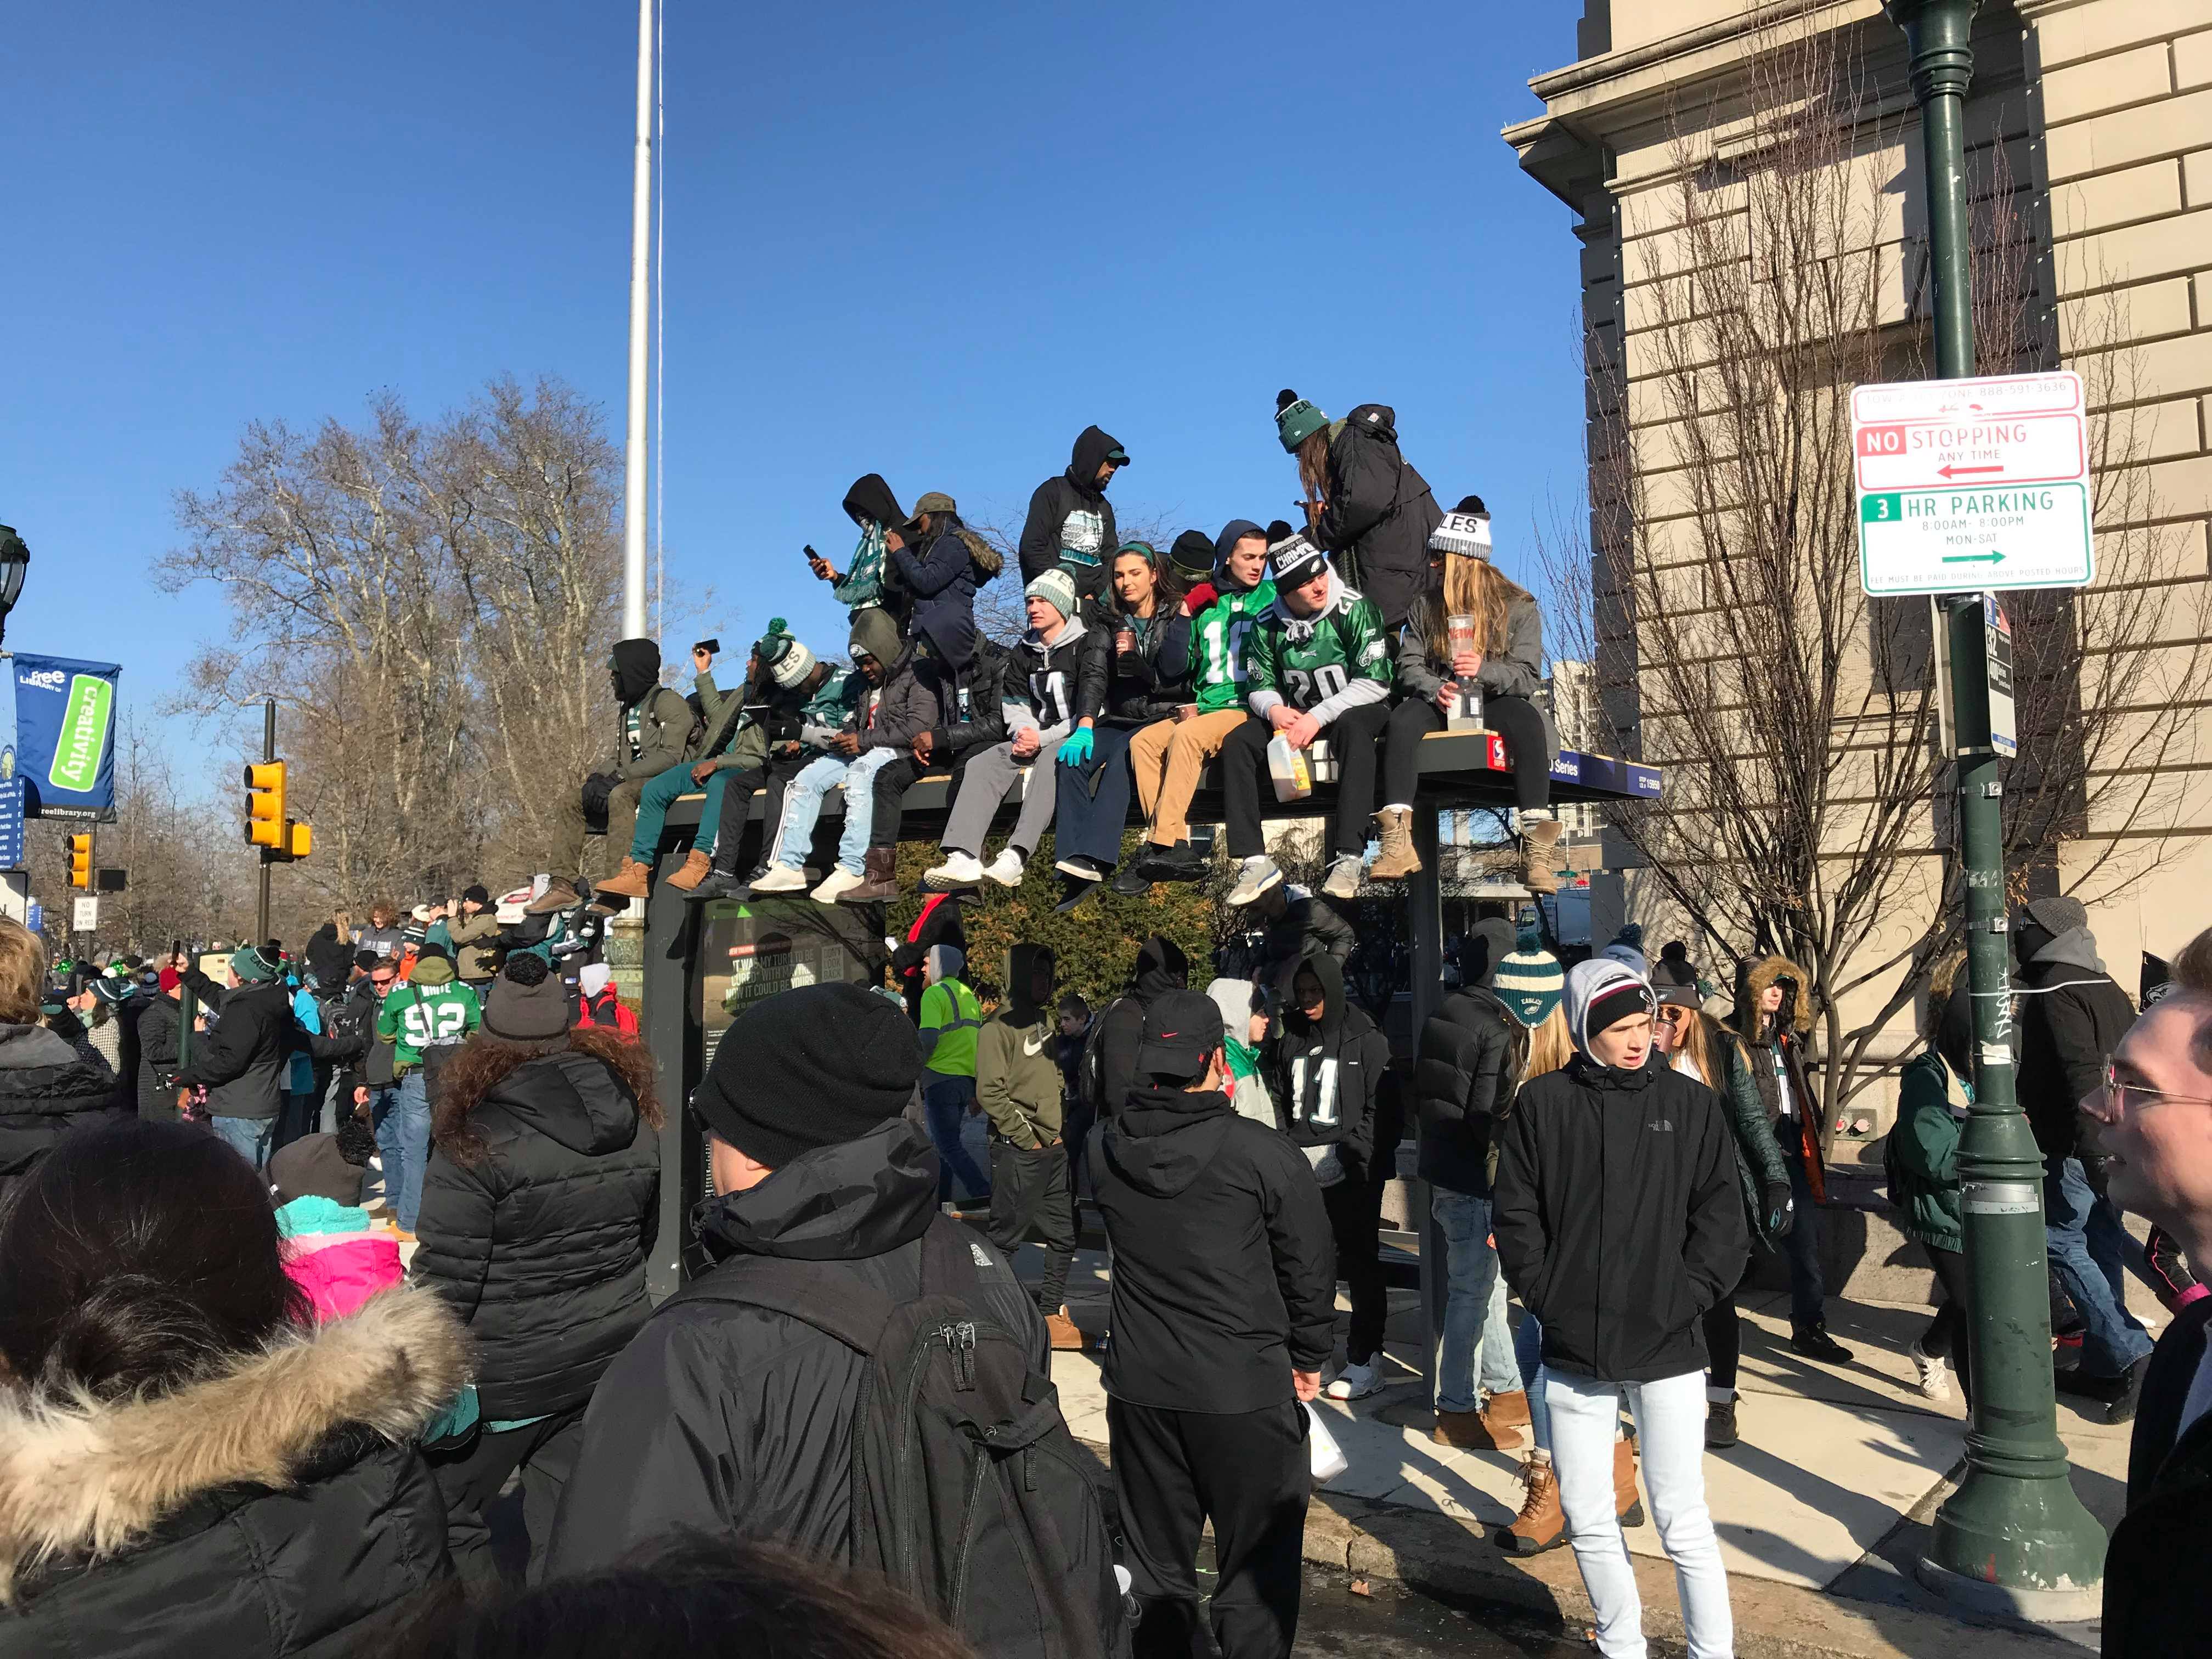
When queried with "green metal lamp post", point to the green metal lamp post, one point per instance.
{"points": [[2014, 1538]]}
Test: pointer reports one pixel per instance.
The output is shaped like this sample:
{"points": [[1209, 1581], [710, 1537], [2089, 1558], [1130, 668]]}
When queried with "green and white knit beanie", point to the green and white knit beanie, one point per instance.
{"points": [[1056, 588], [1296, 420], [1530, 981], [784, 657]]}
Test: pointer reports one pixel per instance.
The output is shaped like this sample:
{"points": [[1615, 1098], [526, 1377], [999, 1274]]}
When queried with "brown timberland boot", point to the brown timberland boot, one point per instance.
{"points": [[1476, 1431], [1626, 1503], [1541, 1525], [696, 864], [1538, 840], [1510, 1409], [878, 879], [1065, 1334], [1399, 860], [559, 894]]}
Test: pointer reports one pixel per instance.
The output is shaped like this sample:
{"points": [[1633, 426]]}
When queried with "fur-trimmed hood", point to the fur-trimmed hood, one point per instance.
{"points": [[81, 1478], [1762, 973]]}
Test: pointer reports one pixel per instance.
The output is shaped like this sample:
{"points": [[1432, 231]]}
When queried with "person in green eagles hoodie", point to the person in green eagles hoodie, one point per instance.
{"points": [[1166, 757], [1018, 1079], [424, 1020], [1920, 1156]]}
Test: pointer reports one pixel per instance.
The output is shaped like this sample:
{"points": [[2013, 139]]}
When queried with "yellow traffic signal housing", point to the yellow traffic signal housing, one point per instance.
{"points": [[265, 806], [299, 840], [81, 860]]}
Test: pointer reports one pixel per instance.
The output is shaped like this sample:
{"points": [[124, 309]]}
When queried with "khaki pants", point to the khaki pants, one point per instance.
{"points": [[1166, 758]]}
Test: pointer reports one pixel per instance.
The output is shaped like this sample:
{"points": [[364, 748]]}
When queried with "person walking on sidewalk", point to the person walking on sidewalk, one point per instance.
{"points": [[1468, 1065], [1223, 1313], [951, 1019], [1920, 1157], [1618, 1221], [1018, 1081]]}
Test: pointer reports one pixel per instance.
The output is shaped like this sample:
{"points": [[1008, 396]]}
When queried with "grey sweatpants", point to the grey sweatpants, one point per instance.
{"points": [[990, 774]]}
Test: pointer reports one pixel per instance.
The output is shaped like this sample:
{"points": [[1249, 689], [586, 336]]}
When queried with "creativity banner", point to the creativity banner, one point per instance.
{"points": [[64, 756]]}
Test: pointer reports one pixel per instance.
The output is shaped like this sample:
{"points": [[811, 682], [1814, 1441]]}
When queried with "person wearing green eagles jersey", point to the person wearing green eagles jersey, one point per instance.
{"points": [[1319, 661], [430, 1011], [1167, 757]]}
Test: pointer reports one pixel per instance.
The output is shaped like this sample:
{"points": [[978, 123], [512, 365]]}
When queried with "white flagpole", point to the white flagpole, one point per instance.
{"points": [[640, 294]]}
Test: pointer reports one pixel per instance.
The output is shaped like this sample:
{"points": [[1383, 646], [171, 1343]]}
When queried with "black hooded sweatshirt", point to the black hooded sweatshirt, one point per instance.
{"points": [[1466, 1070], [1225, 1276], [1110, 1064], [658, 734], [870, 498], [1330, 1076], [1381, 512], [1047, 532]]}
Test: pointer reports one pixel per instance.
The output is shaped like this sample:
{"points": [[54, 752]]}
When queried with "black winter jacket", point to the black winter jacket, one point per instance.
{"points": [[1071, 523], [2158, 1600], [1329, 1077], [245, 1061], [1150, 682], [2071, 1019], [160, 1022], [214, 1558], [1061, 682], [1111, 1055], [1618, 1217], [1381, 512], [46, 1090], [1463, 1076], [539, 1244], [1225, 1276], [911, 702], [735, 1420], [992, 677]]}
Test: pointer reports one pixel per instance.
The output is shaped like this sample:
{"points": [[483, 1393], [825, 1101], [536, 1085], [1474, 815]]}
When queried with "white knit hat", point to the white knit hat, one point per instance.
{"points": [[1056, 588]]}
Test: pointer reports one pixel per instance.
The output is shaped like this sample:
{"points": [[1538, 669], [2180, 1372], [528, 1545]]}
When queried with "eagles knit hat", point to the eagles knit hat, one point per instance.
{"points": [[2056, 915], [1296, 420], [1465, 530], [818, 1067], [1296, 560], [1602, 991], [1530, 981], [251, 964], [527, 1003], [1192, 556], [784, 657], [1056, 588]]}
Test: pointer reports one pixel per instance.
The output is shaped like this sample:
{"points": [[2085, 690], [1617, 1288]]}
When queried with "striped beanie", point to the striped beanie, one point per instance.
{"points": [[1530, 981], [1603, 992]]}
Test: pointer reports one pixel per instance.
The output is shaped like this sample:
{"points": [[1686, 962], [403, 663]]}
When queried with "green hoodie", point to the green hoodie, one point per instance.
{"points": [[431, 1008], [1017, 1077]]}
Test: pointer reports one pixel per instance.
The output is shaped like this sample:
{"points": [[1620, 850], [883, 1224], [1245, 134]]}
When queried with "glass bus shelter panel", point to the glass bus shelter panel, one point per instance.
{"points": [[750, 952]]}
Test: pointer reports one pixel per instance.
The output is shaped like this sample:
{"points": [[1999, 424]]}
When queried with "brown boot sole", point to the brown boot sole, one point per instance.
{"points": [[888, 893]]}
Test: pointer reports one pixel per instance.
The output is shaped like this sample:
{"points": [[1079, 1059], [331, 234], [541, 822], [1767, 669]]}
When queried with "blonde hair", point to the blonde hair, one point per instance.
{"points": [[1699, 1044], [1551, 1045], [22, 973]]}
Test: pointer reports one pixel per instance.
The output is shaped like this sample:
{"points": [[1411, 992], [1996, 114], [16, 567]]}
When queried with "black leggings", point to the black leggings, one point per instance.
{"points": [[1723, 1339], [1947, 1335], [1515, 719]]}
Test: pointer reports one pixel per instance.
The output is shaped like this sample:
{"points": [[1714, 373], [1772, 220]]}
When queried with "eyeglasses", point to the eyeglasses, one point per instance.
{"points": [[2118, 1098]]}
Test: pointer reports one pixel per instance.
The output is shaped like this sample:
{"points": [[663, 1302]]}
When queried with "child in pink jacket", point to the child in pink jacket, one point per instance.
{"points": [[331, 1251]]}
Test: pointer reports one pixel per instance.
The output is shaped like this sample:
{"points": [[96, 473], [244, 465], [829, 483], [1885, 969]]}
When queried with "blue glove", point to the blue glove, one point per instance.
{"points": [[1075, 748]]}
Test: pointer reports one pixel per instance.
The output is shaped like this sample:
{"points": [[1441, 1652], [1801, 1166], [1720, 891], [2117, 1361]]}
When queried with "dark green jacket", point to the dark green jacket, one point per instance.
{"points": [[1920, 1156], [734, 742], [1757, 1155]]}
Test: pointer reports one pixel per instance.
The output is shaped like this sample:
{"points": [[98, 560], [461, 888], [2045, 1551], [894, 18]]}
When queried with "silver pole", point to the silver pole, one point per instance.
{"points": [[640, 294]]}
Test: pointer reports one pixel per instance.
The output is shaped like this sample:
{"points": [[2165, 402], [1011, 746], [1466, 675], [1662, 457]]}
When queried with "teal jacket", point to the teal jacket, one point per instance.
{"points": [[1920, 1156], [1757, 1155]]}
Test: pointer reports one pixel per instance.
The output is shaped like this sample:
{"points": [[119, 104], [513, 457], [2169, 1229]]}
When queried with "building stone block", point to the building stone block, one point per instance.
{"points": [[2116, 199], [2098, 84], [2192, 60], [2104, 143], [2068, 37], [2150, 310]]}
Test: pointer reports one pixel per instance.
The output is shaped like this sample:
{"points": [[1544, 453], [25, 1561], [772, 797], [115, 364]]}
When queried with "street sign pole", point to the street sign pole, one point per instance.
{"points": [[2014, 1538]]}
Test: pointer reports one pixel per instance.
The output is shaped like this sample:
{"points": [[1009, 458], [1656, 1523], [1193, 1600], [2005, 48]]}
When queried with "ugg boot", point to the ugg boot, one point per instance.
{"points": [[633, 880], [1399, 860], [1066, 1336], [1475, 1431], [1511, 1408], [1626, 1503], [1538, 840], [1541, 1525], [878, 879], [696, 864]]}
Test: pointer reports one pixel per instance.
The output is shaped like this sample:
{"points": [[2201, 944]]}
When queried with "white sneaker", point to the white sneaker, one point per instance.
{"points": [[1356, 1383], [780, 878], [838, 882], [1935, 1372], [958, 870], [1256, 877], [1343, 881], [1006, 868]]}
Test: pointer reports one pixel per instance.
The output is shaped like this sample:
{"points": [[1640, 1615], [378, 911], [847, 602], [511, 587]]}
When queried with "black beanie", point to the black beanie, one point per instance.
{"points": [[476, 894], [1193, 555], [817, 1066]]}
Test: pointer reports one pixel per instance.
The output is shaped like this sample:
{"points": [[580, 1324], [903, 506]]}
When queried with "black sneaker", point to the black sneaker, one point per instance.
{"points": [[2087, 1385], [1132, 882], [1814, 1343], [1181, 862], [720, 884], [2122, 1408], [1720, 1424], [1074, 890]]}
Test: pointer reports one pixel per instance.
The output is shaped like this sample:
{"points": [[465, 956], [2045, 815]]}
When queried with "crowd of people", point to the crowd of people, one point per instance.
{"points": [[1376, 622]]}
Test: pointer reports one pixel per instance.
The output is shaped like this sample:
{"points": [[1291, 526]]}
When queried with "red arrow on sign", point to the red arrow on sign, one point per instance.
{"points": [[1965, 471]]}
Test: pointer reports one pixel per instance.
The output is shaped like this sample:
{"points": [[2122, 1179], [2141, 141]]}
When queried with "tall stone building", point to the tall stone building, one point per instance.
{"points": [[2090, 128]]}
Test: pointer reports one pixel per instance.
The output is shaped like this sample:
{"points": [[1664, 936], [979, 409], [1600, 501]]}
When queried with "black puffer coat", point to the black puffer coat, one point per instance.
{"points": [[1380, 511], [1150, 682], [539, 1241], [46, 1090], [245, 1061], [160, 1022], [1463, 1076], [214, 1558]]}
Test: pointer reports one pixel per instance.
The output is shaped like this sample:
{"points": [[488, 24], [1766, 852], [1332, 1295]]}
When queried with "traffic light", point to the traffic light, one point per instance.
{"points": [[81, 860], [299, 840], [264, 806]]}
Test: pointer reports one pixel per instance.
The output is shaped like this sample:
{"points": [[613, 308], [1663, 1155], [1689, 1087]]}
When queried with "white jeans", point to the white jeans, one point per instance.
{"points": [[1670, 1427]]}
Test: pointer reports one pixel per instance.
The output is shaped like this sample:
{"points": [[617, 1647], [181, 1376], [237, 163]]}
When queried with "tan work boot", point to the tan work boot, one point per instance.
{"points": [[696, 864], [1510, 1409], [1538, 840], [878, 879], [1066, 1335], [1541, 1525], [1476, 1431], [559, 894], [1399, 860], [1626, 1503]]}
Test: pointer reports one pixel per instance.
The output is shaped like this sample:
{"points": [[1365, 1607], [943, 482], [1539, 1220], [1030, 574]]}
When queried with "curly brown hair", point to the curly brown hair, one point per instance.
{"points": [[484, 1062]]}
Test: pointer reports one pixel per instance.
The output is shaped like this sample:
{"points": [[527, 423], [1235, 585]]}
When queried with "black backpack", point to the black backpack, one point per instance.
{"points": [[968, 1492]]}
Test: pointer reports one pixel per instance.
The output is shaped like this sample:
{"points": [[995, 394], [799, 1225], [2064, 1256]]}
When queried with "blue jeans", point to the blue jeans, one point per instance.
{"points": [[402, 1115], [946, 1100], [2083, 1234], [659, 795], [252, 1138], [1470, 1279], [1808, 1300], [1529, 1354], [802, 806]]}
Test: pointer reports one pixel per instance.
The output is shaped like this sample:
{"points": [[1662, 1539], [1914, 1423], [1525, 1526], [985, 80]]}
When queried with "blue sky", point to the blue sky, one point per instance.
{"points": [[930, 242]]}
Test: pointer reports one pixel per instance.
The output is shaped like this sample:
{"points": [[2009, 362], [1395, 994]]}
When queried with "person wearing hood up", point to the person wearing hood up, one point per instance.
{"points": [[1110, 1063], [1618, 1222], [1063, 682], [1223, 1313], [1166, 758], [867, 583], [1018, 1082], [653, 727], [1319, 662], [941, 562], [2072, 1014], [1330, 1074], [1362, 501], [1070, 525], [538, 1210]]}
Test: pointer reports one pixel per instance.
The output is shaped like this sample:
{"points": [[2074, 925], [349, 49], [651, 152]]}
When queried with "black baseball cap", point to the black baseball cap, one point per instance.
{"points": [[1180, 1029]]}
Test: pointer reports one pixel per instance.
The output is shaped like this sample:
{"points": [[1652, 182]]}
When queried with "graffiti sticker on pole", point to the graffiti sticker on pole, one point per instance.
{"points": [[1971, 484]]}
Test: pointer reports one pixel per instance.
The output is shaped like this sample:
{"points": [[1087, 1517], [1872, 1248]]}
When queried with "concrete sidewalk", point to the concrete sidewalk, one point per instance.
{"points": [[1822, 1509]]}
